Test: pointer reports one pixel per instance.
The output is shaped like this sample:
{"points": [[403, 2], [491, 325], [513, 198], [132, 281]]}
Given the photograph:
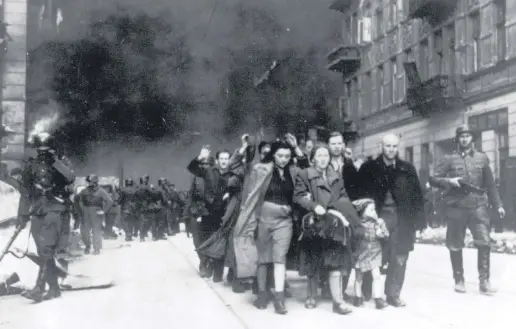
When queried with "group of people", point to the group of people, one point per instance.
{"points": [[144, 208], [323, 215], [318, 213]]}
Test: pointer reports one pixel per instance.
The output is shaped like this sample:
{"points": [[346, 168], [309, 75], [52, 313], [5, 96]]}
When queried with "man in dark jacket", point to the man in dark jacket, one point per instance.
{"points": [[394, 186]]}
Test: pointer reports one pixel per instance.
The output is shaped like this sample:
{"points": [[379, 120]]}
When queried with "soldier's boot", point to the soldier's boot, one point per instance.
{"points": [[52, 279], [230, 277], [484, 264], [87, 250], [39, 288], [458, 270]]}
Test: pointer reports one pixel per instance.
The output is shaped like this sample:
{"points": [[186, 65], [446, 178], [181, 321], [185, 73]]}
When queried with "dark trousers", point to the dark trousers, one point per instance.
{"points": [[152, 221], [130, 221], [395, 255]]}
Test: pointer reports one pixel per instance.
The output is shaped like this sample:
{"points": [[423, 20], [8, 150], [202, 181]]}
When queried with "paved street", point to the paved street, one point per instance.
{"points": [[157, 286]]}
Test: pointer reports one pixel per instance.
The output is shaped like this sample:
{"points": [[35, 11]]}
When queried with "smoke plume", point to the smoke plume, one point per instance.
{"points": [[180, 73]]}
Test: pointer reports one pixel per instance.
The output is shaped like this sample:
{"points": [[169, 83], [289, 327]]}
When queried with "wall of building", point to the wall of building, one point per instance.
{"points": [[442, 127], [14, 71]]}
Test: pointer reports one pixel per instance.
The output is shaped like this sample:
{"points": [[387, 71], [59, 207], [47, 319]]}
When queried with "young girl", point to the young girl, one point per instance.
{"points": [[369, 252]]}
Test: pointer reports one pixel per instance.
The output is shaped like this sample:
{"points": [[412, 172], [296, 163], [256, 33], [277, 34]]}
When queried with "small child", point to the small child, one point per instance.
{"points": [[369, 251]]}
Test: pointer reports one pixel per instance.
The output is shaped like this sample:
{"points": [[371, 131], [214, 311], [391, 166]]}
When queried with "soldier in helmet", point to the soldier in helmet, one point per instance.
{"points": [[469, 185], [47, 179], [95, 202], [129, 204]]}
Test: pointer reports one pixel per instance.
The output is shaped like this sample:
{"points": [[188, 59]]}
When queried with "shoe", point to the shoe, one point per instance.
{"points": [[486, 289], [396, 302], [460, 287], [310, 303], [341, 309], [380, 303], [358, 301], [262, 301], [87, 250], [96, 252], [238, 287], [279, 303]]}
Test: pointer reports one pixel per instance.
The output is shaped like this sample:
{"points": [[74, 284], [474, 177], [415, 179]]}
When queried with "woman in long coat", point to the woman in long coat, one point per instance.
{"points": [[264, 226], [331, 219]]}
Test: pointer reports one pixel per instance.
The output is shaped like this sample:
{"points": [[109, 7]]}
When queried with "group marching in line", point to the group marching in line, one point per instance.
{"points": [[313, 210], [320, 213]]}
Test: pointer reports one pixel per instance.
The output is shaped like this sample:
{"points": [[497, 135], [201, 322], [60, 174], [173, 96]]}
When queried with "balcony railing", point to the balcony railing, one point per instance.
{"points": [[438, 94], [344, 5], [344, 59], [434, 11]]}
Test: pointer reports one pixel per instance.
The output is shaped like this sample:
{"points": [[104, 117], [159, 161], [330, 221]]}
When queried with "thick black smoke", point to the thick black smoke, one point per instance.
{"points": [[156, 68]]}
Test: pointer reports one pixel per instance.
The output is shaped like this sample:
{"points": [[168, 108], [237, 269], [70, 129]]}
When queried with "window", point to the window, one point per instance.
{"points": [[366, 93], [474, 35], [365, 26], [500, 10], [425, 156], [347, 30], [439, 54], [394, 79], [387, 84], [450, 50], [400, 84], [379, 83], [354, 29], [354, 95], [503, 139], [423, 60], [374, 91], [345, 106], [409, 154], [379, 23], [393, 13]]}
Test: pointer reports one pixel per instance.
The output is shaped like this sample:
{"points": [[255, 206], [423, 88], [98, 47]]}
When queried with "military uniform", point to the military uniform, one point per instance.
{"points": [[47, 179], [466, 207], [113, 213], [95, 202], [129, 205]]}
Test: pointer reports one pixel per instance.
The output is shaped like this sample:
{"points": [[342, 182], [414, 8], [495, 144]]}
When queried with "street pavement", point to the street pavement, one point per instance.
{"points": [[157, 286]]}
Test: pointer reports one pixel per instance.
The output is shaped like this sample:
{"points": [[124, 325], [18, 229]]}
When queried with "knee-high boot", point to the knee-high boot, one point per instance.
{"points": [[51, 276], [458, 270], [484, 264]]}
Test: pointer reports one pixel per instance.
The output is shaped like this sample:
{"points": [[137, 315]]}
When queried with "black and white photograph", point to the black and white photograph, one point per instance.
{"points": [[244, 164]]}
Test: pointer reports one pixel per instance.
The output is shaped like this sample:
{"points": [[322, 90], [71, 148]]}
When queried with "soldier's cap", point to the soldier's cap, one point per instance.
{"points": [[464, 129], [92, 179], [361, 204]]}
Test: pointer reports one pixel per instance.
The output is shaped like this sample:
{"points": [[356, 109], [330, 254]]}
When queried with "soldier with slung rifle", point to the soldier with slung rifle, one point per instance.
{"points": [[469, 186]]}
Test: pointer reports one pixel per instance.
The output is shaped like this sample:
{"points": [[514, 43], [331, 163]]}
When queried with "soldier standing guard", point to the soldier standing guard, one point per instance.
{"points": [[468, 182], [47, 179], [129, 204], [95, 202]]}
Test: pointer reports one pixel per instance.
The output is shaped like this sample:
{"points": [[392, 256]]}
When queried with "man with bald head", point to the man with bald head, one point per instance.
{"points": [[394, 186]]}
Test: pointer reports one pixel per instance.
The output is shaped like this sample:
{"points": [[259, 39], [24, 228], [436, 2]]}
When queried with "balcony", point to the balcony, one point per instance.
{"points": [[344, 59], [439, 94], [344, 5], [434, 11]]}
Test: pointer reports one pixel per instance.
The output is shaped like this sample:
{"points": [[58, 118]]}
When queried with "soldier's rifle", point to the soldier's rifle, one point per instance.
{"points": [[470, 188]]}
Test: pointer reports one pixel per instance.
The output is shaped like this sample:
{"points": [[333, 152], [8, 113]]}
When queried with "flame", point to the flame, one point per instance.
{"points": [[43, 125]]}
